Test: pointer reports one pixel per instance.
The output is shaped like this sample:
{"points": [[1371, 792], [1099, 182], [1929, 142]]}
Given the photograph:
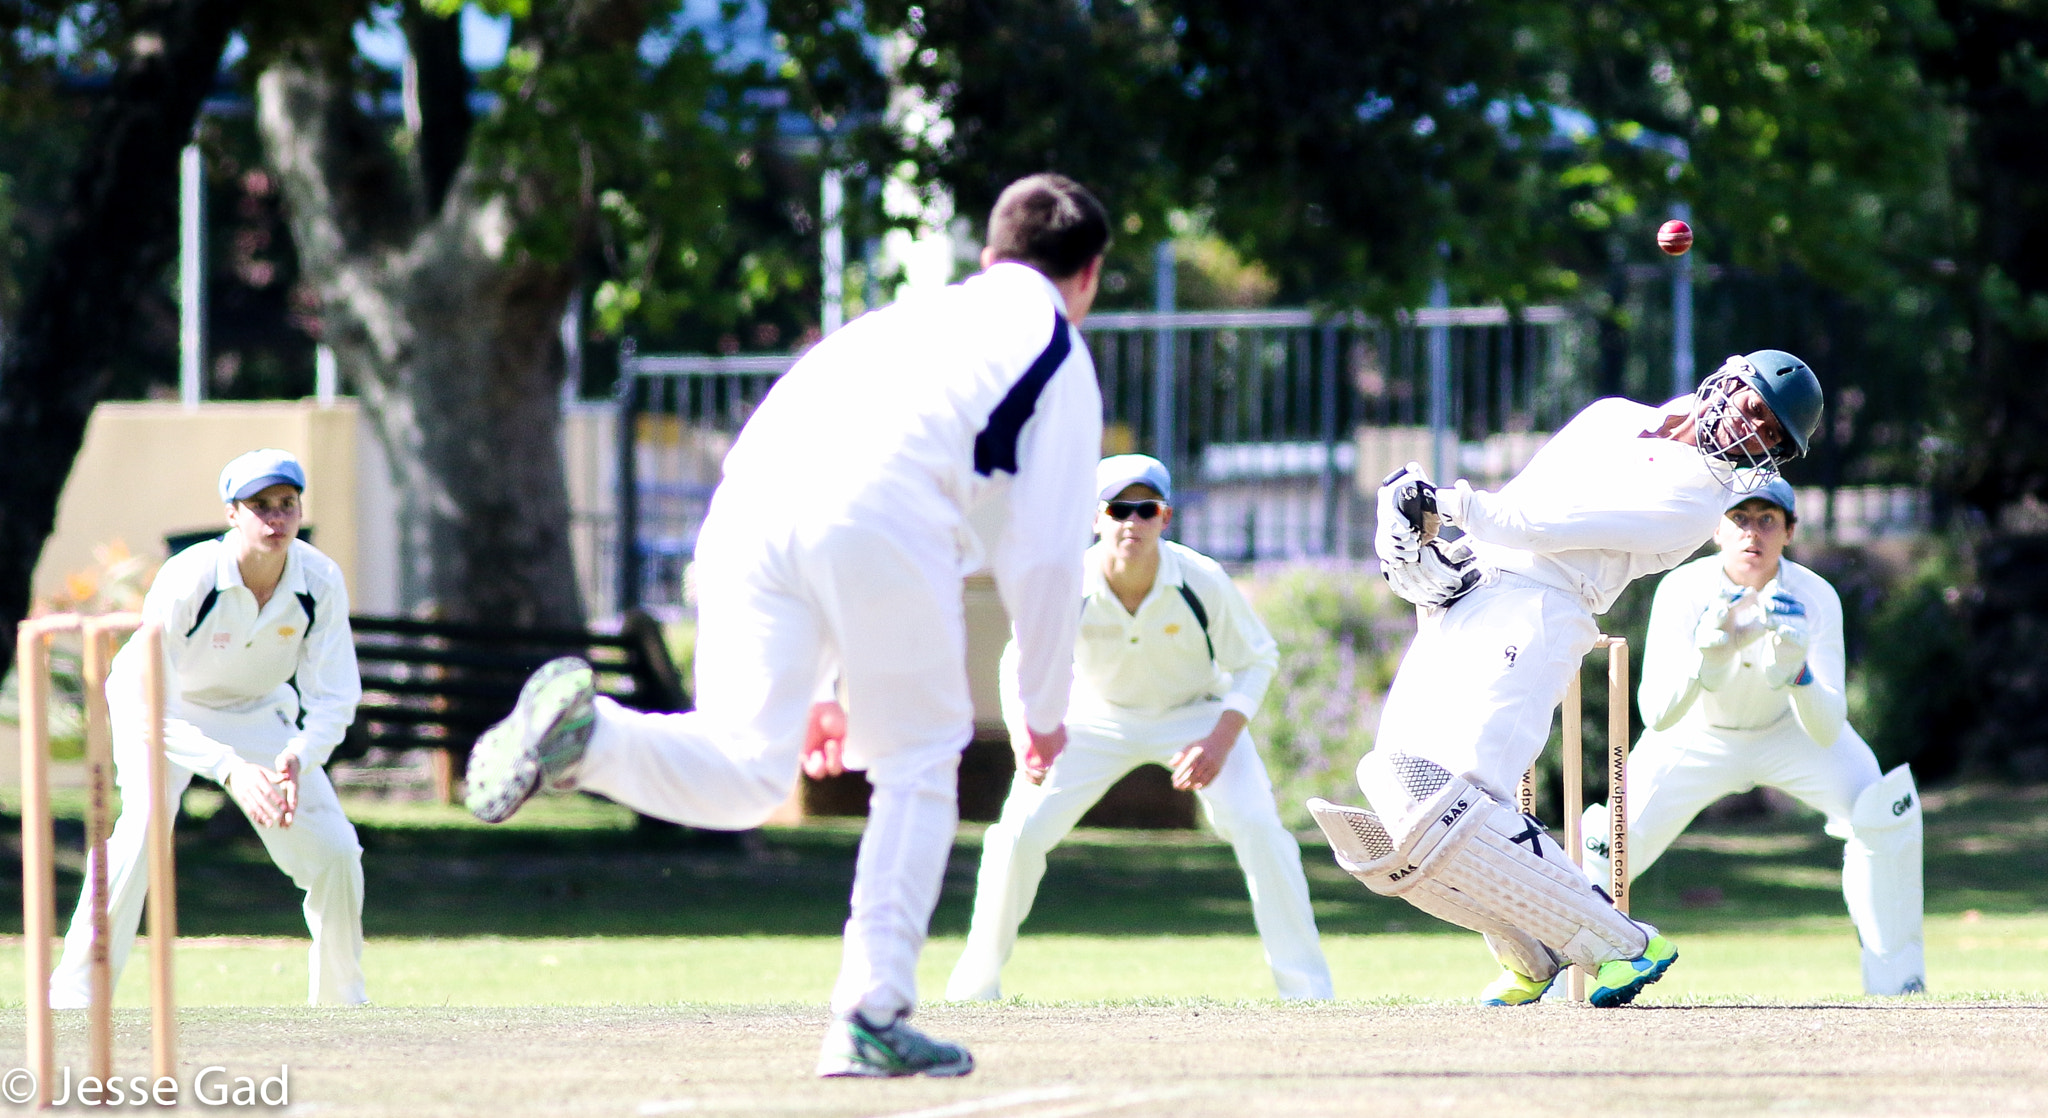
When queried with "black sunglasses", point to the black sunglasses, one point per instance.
{"points": [[1124, 510]]}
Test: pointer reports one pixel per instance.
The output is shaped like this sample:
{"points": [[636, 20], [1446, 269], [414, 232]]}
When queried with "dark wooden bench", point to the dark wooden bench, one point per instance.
{"points": [[437, 685]]}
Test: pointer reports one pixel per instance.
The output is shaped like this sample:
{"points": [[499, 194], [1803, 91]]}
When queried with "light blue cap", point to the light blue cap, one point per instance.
{"points": [[258, 470], [1778, 492], [1120, 470]]}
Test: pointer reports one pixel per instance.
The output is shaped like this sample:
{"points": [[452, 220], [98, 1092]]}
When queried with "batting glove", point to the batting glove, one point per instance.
{"points": [[1787, 640], [1407, 510], [1441, 575]]}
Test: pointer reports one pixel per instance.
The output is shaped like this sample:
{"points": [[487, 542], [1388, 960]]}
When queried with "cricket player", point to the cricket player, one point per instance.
{"points": [[854, 503], [260, 684], [1623, 490], [1743, 686], [1171, 665]]}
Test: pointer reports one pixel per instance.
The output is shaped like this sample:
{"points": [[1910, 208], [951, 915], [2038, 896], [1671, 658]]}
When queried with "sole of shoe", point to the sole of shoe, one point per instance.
{"points": [[501, 784], [848, 1069]]}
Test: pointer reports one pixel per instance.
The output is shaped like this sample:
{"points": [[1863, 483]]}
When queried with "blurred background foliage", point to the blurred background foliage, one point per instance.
{"points": [[1868, 180]]}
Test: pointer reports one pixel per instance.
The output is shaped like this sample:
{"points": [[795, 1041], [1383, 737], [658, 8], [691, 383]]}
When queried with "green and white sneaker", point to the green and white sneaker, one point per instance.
{"points": [[538, 744], [1515, 989], [1618, 982], [854, 1046]]}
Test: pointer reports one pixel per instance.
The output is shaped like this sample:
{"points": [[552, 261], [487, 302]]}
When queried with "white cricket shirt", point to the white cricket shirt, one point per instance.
{"points": [[1671, 693], [973, 411], [1598, 507], [236, 656]]}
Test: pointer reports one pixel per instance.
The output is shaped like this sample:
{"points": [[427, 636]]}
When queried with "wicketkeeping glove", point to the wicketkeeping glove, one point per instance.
{"points": [[1407, 515], [1786, 640], [1720, 634], [1442, 573]]}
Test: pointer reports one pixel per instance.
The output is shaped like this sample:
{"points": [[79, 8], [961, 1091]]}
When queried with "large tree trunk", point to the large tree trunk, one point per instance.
{"points": [[117, 236], [447, 325]]}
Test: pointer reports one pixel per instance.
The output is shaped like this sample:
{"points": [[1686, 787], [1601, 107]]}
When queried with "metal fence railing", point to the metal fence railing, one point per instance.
{"points": [[1268, 419]]}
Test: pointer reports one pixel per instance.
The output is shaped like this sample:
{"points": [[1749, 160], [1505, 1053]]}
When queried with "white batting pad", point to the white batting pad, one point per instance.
{"points": [[1494, 858], [1881, 881], [1365, 852]]}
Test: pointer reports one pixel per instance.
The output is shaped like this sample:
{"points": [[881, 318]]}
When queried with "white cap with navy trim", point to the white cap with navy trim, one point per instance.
{"points": [[1118, 471], [258, 470]]}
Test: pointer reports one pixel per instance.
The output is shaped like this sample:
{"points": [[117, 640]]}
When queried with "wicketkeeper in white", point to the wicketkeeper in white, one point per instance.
{"points": [[1622, 491], [1170, 667], [854, 503], [260, 684], [1743, 687]]}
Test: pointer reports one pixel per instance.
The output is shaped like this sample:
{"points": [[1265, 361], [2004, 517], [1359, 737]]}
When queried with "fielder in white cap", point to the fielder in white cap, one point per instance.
{"points": [[905, 451], [1170, 667], [1743, 688], [260, 685]]}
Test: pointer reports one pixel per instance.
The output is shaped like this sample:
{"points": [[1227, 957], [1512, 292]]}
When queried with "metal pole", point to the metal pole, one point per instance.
{"points": [[1682, 377], [191, 276], [1442, 442], [1331, 493], [572, 349], [1165, 407], [326, 376], [833, 204], [627, 516]]}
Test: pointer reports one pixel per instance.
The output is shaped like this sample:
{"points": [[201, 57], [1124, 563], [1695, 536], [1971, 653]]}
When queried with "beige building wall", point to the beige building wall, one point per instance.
{"points": [[148, 470]]}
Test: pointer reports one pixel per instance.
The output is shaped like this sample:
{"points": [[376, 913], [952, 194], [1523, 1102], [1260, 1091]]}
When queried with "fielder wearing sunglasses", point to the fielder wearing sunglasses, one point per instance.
{"points": [[1124, 510]]}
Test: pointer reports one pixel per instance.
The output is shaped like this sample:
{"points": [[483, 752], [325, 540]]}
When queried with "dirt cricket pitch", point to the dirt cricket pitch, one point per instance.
{"points": [[1187, 1061]]}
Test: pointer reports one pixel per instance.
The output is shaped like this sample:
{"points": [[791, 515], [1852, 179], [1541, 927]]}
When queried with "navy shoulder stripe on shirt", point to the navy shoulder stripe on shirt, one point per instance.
{"points": [[995, 448]]}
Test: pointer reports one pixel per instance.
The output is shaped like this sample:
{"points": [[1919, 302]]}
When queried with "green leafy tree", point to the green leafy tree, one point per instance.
{"points": [[104, 246], [446, 245]]}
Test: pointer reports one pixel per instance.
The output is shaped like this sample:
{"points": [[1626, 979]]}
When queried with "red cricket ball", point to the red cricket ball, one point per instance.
{"points": [[1674, 237]]}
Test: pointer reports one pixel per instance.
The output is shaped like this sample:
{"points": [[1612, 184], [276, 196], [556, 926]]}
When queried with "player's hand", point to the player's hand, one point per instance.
{"points": [[1197, 766], [1407, 515], [825, 741], [1718, 635], [256, 790], [1788, 639], [288, 785], [1040, 752]]}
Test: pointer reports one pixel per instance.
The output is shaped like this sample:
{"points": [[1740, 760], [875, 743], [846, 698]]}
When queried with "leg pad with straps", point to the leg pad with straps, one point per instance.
{"points": [[1503, 869]]}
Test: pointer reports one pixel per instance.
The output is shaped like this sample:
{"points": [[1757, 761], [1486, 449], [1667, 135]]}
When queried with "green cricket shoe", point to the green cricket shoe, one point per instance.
{"points": [[538, 744], [1515, 989], [1618, 982], [854, 1046]]}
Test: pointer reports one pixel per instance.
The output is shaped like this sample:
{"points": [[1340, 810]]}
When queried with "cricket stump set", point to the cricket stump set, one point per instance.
{"points": [[1574, 781], [38, 867]]}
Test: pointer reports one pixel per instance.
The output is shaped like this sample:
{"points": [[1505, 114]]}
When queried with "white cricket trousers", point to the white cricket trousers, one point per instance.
{"points": [[1238, 804], [319, 851], [779, 610], [1479, 686]]}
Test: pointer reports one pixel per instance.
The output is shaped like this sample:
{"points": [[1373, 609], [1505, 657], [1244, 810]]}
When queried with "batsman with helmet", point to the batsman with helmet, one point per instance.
{"points": [[1623, 490]]}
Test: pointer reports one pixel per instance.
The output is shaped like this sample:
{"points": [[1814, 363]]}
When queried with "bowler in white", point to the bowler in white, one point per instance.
{"points": [[916, 445]]}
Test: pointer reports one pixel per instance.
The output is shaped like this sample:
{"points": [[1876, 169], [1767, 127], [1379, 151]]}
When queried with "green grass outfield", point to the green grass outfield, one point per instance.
{"points": [[572, 905]]}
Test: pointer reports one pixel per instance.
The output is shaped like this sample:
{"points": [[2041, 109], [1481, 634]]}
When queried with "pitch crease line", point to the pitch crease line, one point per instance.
{"points": [[992, 1102]]}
